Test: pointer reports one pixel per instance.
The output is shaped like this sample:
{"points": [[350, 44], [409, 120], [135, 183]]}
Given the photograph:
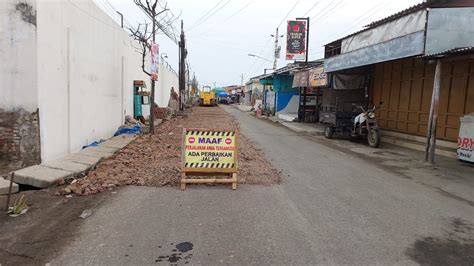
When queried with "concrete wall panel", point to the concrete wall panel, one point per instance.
{"points": [[86, 68], [449, 28], [18, 55]]}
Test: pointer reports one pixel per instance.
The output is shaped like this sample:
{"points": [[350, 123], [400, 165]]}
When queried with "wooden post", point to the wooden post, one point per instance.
{"points": [[9, 192], [183, 183], [428, 129], [431, 131], [234, 181]]}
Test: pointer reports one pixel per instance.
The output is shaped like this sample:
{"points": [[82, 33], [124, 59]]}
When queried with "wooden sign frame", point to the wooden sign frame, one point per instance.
{"points": [[186, 172]]}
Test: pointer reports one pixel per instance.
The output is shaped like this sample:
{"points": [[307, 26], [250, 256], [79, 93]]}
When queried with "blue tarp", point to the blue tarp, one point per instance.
{"points": [[93, 144], [128, 130], [222, 94]]}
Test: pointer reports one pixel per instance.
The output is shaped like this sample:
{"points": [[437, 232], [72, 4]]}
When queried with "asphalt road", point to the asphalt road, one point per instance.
{"points": [[331, 208]]}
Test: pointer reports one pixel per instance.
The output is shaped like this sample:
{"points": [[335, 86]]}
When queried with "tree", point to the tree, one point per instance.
{"points": [[160, 20]]}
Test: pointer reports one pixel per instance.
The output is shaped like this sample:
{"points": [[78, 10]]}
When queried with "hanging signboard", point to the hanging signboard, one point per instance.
{"points": [[209, 151], [296, 40], [317, 77], [300, 79], [154, 49]]}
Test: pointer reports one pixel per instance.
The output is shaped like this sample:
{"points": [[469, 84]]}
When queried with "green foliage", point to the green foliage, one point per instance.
{"points": [[19, 207]]}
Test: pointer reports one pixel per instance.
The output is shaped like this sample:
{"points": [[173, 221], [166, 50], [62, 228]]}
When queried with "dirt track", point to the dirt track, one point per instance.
{"points": [[155, 160], [52, 221]]}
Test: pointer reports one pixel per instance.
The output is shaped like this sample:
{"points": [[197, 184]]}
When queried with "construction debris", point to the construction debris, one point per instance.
{"points": [[155, 160]]}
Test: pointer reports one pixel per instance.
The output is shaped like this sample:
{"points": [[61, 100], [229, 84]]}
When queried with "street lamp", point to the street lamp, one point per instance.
{"points": [[263, 58]]}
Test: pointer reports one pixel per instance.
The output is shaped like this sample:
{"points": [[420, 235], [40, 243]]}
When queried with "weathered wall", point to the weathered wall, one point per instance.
{"points": [[19, 139], [167, 78], [449, 28], [71, 61], [19, 128], [18, 55], [86, 68]]}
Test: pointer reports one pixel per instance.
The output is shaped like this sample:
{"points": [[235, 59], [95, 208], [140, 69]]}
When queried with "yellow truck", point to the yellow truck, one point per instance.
{"points": [[207, 97]]}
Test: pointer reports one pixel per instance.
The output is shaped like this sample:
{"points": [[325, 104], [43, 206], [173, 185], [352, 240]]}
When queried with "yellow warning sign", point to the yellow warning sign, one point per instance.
{"points": [[212, 150], [209, 151]]}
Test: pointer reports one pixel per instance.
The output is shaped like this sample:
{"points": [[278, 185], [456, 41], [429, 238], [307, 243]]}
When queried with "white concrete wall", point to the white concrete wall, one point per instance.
{"points": [[167, 78], [17, 57], [86, 67]]}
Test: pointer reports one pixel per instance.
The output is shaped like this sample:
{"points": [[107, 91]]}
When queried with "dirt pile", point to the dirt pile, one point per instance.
{"points": [[155, 160]]}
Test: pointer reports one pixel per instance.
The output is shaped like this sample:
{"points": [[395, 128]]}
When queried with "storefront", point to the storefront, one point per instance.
{"points": [[406, 86], [400, 54]]}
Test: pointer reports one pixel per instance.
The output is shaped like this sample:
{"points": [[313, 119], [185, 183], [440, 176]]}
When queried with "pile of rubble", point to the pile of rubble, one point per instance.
{"points": [[155, 160]]}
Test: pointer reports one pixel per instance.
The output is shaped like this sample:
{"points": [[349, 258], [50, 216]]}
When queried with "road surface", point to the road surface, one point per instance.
{"points": [[331, 208]]}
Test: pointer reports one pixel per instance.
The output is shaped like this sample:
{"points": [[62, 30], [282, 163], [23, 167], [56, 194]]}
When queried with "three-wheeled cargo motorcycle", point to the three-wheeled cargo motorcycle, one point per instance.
{"points": [[358, 123]]}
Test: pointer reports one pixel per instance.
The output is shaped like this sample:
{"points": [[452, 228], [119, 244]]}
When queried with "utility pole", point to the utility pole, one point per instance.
{"points": [[433, 115], [152, 97], [242, 79], [142, 36], [188, 82], [182, 67], [277, 49], [307, 36]]}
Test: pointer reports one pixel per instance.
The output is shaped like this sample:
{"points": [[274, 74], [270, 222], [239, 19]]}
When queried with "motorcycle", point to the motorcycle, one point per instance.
{"points": [[363, 124]]}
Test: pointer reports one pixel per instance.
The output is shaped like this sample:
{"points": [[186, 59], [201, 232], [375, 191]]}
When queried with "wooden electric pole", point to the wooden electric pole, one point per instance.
{"points": [[182, 67], [433, 117], [152, 97]]}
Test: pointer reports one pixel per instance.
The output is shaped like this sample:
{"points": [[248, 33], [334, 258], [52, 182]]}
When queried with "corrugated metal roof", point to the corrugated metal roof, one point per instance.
{"points": [[397, 15], [412, 9], [290, 67], [455, 51], [385, 20]]}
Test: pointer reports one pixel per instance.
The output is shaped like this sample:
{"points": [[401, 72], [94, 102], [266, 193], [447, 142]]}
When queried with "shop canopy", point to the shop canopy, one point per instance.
{"points": [[222, 94], [217, 90]]}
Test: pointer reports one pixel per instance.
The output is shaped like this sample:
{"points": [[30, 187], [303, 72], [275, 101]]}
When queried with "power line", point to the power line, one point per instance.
{"points": [[92, 16], [323, 9], [371, 12], [294, 6], [255, 60], [367, 15], [211, 15], [268, 40], [225, 20], [171, 35], [238, 12], [207, 13], [205, 18], [107, 10], [312, 7], [127, 23], [332, 10], [326, 10]]}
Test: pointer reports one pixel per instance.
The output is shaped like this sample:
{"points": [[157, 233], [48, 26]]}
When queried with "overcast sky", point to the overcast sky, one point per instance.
{"points": [[221, 33]]}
